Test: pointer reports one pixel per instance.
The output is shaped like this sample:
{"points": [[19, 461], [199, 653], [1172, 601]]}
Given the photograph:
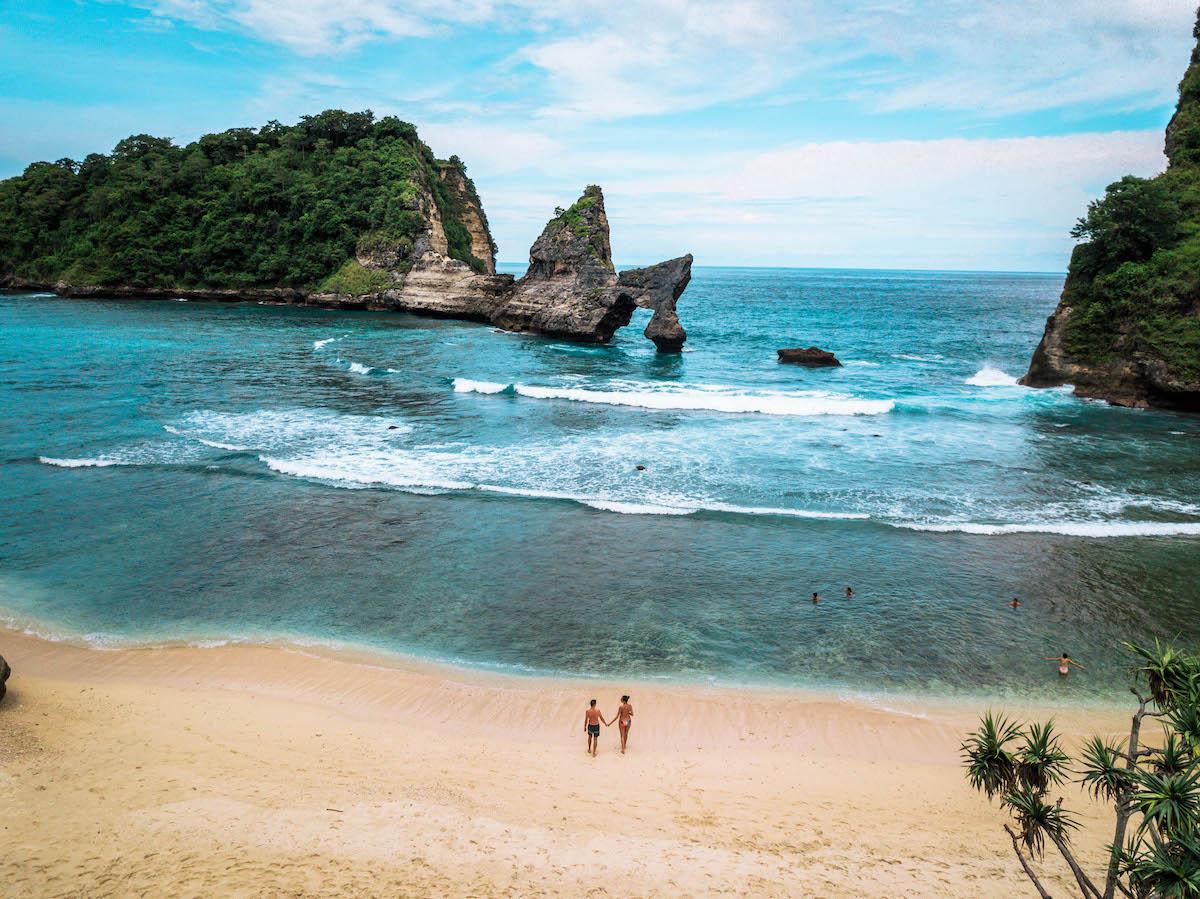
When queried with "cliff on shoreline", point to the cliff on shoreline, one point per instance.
{"points": [[338, 211], [1127, 327]]}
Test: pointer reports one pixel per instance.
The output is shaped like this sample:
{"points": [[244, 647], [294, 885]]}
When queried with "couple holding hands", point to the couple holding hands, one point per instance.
{"points": [[592, 718]]}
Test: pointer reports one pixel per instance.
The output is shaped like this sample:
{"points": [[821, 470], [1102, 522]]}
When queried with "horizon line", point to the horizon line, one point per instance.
{"points": [[846, 268]]}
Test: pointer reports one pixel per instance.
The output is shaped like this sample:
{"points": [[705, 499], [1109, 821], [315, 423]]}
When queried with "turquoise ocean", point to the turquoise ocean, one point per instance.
{"points": [[202, 472]]}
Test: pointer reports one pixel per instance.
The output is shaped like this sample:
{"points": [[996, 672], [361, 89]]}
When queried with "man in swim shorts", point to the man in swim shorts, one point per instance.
{"points": [[591, 726]]}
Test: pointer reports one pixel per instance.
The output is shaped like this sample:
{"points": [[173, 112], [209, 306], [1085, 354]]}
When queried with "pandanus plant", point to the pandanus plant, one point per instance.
{"points": [[1151, 784]]}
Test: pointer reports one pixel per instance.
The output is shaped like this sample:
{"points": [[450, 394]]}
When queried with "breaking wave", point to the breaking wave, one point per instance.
{"points": [[1065, 528], [80, 463], [714, 399], [990, 376]]}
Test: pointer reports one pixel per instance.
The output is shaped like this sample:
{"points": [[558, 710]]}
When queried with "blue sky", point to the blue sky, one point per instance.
{"points": [[881, 133]]}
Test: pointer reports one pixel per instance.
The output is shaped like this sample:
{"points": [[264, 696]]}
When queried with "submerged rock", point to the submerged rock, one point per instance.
{"points": [[811, 356], [5, 672]]}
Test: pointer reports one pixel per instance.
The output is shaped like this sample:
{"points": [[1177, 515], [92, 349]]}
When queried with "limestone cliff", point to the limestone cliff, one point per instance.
{"points": [[571, 289], [1127, 327], [460, 193]]}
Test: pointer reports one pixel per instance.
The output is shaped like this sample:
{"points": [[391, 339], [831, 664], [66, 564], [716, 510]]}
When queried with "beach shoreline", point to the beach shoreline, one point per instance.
{"points": [[284, 771]]}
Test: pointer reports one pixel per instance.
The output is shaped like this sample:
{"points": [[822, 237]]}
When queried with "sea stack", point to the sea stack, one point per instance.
{"points": [[572, 290], [1127, 327], [5, 673]]}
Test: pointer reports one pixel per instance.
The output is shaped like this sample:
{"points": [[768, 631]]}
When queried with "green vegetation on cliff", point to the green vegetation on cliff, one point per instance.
{"points": [[280, 205], [1134, 283]]}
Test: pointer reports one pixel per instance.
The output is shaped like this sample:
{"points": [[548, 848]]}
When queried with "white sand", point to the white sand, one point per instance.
{"points": [[266, 771]]}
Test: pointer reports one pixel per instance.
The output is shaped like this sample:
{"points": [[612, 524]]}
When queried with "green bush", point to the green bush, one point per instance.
{"points": [[356, 280]]}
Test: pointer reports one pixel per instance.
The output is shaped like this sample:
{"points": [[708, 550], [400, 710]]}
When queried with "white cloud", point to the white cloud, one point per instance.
{"points": [[321, 26], [1002, 203], [605, 60]]}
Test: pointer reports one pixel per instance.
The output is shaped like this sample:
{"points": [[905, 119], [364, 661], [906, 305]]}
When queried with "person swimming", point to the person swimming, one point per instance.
{"points": [[849, 593], [591, 726], [624, 719], [1016, 603], [816, 598], [1064, 664]]}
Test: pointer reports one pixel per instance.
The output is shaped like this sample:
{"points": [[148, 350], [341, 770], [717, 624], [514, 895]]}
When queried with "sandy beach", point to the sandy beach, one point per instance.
{"points": [[252, 770]]}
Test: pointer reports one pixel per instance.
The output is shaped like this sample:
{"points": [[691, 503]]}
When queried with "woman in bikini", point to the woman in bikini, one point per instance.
{"points": [[1064, 664], [624, 718]]}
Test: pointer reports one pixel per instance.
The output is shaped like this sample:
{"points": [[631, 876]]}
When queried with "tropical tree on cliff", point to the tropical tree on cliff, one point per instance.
{"points": [[1152, 784]]}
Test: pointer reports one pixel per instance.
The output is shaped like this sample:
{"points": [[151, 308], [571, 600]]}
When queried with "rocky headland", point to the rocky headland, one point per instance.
{"points": [[411, 236], [1127, 327]]}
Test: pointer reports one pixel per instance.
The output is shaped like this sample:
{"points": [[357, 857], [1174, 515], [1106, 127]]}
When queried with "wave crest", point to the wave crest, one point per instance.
{"points": [[712, 399], [1065, 528], [990, 376]]}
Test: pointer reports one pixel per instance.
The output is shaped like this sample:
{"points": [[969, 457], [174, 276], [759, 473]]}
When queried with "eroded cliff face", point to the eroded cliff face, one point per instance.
{"points": [[464, 197], [1127, 326]]}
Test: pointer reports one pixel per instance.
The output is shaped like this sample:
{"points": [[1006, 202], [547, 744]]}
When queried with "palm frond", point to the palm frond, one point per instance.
{"points": [[1037, 819], [1040, 760], [1103, 775], [1168, 671], [1168, 870], [1169, 802], [990, 765], [1175, 757]]}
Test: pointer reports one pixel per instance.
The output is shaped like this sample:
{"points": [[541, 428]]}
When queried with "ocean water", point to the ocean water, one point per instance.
{"points": [[183, 471]]}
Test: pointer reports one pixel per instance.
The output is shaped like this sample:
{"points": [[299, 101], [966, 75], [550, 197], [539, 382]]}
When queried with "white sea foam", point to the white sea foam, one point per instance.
{"points": [[990, 376], [1065, 528], [359, 472], [913, 357], [80, 463], [607, 505], [317, 344], [712, 399], [774, 510], [215, 444], [359, 369], [466, 385]]}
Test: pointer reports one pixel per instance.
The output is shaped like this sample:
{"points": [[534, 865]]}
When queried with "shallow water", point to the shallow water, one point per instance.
{"points": [[201, 471]]}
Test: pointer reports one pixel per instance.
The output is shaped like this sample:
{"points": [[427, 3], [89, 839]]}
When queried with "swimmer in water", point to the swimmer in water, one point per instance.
{"points": [[849, 593], [1016, 603], [816, 598], [1064, 664]]}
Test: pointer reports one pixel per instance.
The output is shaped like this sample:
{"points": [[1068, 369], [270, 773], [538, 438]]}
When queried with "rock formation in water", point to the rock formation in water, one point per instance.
{"points": [[813, 356], [1127, 327], [337, 210], [572, 290], [5, 673]]}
